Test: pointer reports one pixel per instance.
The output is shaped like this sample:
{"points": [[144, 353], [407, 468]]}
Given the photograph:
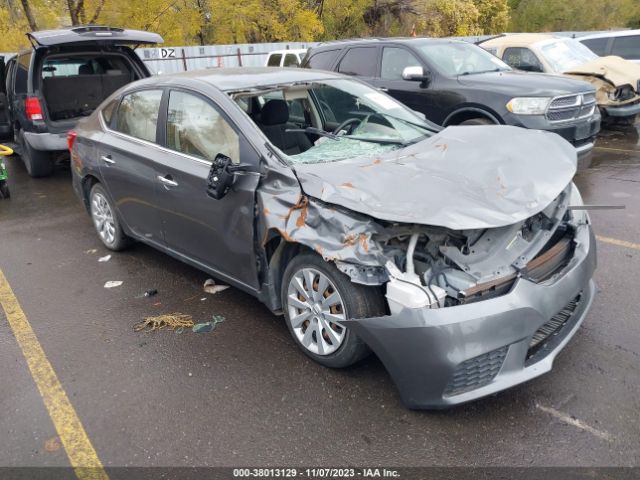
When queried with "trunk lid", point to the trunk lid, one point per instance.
{"points": [[93, 34]]}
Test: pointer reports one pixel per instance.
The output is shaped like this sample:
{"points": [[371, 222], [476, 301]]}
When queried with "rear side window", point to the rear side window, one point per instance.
{"points": [[196, 128], [274, 60], [107, 112], [322, 60], [359, 61], [291, 60], [138, 114], [597, 45], [22, 72], [627, 47]]}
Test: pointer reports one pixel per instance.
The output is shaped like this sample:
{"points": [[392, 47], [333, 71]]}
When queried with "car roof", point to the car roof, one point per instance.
{"points": [[377, 40], [519, 39], [245, 78], [610, 33], [92, 33]]}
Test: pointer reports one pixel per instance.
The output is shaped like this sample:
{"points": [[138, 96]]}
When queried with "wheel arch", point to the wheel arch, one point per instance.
{"points": [[469, 112]]}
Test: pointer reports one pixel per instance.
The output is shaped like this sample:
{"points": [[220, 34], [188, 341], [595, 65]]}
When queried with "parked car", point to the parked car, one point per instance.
{"points": [[64, 77], [616, 80], [285, 58], [462, 257], [456, 83], [622, 43]]}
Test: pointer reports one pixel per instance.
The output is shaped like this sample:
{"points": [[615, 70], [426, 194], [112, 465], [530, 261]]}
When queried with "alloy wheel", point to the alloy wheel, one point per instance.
{"points": [[103, 218]]}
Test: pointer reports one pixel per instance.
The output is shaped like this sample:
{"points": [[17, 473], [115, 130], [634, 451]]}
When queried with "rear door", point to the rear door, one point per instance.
{"points": [[6, 132], [215, 234], [127, 164]]}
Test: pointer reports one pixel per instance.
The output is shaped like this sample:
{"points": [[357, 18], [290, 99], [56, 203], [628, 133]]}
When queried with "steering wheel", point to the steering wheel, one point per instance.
{"points": [[347, 122]]}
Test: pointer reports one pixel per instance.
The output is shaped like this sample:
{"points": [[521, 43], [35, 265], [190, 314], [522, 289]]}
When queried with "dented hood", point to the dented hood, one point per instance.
{"points": [[617, 70], [462, 178]]}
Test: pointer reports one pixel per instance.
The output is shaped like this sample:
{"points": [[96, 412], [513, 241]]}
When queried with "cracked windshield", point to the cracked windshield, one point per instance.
{"points": [[332, 120]]}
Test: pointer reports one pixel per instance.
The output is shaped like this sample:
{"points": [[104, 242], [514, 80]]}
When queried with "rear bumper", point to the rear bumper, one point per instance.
{"points": [[49, 142], [447, 356]]}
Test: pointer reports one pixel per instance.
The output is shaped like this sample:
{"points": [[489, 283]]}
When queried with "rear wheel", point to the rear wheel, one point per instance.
{"points": [[37, 162], [105, 219], [4, 189], [478, 121], [316, 299]]}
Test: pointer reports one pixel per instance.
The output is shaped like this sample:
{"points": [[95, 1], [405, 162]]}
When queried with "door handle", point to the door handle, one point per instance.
{"points": [[168, 181], [107, 159], [383, 89]]}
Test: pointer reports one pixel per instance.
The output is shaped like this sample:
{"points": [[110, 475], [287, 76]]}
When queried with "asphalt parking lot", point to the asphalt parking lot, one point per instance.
{"points": [[244, 395]]}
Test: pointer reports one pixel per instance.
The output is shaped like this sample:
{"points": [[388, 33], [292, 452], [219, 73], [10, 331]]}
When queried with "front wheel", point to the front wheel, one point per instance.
{"points": [[478, 121], [316, 299]]}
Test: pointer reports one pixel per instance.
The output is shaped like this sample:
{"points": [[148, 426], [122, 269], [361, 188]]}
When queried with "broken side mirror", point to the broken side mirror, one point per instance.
{"points": [[222, 174], [417, 74]]}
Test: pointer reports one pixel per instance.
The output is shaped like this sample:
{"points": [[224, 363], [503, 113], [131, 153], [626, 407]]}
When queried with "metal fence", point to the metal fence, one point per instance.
{"points": [[181, 59]]}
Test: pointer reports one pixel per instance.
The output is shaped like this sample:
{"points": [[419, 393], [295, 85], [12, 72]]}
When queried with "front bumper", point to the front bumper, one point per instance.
{"points": [[426, 350], [623, 110]]}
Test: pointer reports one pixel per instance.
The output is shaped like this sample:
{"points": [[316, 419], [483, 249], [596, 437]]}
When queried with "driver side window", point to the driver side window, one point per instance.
{"points": [[196, 128], [522, 59], [394, 61]]}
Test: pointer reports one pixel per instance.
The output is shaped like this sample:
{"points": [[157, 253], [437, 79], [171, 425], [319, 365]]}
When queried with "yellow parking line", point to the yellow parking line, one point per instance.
{"points": [[619, 243], [82, 455]]}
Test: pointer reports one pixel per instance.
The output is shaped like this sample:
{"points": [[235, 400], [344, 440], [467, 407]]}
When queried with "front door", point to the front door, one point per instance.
{"points": [[126, 154], [6, 132], [216, 234]]}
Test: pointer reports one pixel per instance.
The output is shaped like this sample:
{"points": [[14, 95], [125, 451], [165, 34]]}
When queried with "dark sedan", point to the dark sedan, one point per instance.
{"points": [[454, 255]]}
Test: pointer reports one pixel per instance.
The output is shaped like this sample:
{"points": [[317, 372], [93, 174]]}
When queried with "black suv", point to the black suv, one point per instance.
{"points": [[64, 77], [457, 83]]}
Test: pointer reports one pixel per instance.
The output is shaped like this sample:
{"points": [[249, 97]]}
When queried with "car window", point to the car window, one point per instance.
{"points": [[9, 74], [291, 60], [522, 59], [138, 114], [22, 72], [626, 47], [564, 54], [322, 60], [196, 128], [597, 45], [459, 58], [274, 60], [107, 111], [359, 61], [394, 61]]}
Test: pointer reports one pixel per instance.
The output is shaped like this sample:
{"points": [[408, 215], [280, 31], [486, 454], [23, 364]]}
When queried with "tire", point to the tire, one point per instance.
{"points": [[339, 347], [4, 189], [478, 121], [105, 219], [37, 162]]}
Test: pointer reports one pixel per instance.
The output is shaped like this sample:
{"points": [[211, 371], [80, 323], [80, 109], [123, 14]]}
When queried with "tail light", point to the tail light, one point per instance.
{"points": [[71, 139], [32, 108]]}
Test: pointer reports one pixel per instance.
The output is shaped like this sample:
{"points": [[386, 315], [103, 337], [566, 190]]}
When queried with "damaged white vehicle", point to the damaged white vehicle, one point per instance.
{"points": [[461, 257]]}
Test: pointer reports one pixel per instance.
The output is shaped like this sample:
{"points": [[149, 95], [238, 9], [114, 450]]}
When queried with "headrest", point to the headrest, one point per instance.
{"points": [[85, 69], [274, 112]]}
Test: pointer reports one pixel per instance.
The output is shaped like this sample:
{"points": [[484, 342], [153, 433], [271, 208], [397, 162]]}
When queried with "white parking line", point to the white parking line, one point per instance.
{"points": [[563, 417]]}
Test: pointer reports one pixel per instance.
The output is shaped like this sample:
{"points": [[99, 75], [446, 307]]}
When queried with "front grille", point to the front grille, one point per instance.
{"points": [[571, 107], [476, 372], [554, 327]]}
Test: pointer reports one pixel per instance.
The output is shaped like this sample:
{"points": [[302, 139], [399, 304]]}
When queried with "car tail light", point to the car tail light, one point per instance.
{"points": [[71, 139], [32, 108]]}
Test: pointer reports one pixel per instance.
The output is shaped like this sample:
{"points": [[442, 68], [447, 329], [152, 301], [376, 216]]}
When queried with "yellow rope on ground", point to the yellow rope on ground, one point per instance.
{"points": [[171, 320]]}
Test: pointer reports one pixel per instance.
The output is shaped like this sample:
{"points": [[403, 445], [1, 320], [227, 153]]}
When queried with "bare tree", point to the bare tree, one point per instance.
{"points": [[78, 12], [29, 14]]}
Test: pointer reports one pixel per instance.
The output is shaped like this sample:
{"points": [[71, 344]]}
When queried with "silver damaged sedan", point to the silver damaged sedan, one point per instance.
{"points": [[460, 257]]}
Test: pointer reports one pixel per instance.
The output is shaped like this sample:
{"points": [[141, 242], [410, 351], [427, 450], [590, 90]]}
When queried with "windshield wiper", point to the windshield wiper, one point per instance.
{"points": [[382, 141], [407, 122], [314, 131], [484, 71]]}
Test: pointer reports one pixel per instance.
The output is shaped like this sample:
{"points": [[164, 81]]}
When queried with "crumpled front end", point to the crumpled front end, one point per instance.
{"points": [[449, 355]]}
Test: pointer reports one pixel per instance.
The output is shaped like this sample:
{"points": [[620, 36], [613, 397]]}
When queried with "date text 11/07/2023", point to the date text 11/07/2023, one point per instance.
{"points": [[315, 473]]}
